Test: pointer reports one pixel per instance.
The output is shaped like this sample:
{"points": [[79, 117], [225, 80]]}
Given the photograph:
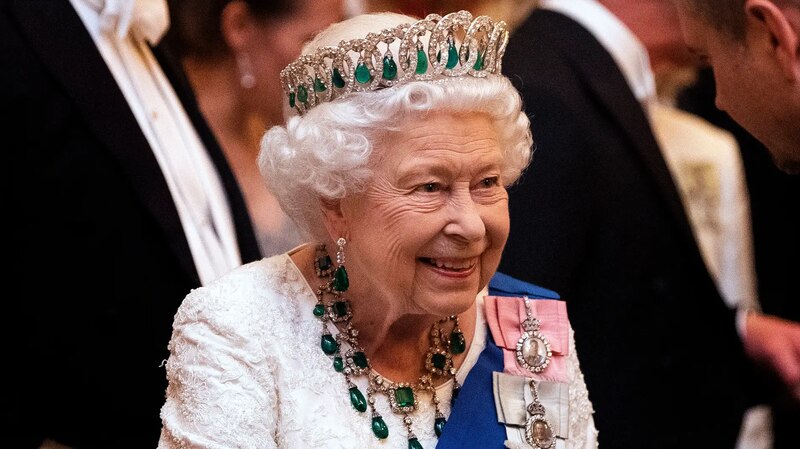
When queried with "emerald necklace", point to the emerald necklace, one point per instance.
{"points": [[350, 360]]}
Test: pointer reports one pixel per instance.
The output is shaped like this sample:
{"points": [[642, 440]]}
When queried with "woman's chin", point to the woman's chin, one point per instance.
{"points": [[449, 301]]}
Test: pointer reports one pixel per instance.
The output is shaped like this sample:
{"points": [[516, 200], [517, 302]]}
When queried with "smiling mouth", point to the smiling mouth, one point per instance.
{"points": [[454, 265]]}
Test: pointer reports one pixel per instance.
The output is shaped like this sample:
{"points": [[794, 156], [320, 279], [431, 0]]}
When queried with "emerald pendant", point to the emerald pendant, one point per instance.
{"points": [[478, 62], [457, 342], [404, 397], [379, 427], [438, 426], [389, 68], [291, 99], [360, 360], [323, 265], [362, 74], [338, 364], [413, 443], [340, 281], [302, 94], [340, 308], [319, 86], [452, 56], [438, 361], [422, 63], [456, 391], [319, 310], [338, 81], [328, 344], [357, 399]]}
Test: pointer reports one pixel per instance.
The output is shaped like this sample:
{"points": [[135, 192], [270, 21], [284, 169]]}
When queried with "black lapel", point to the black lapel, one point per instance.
{"points": [[606, 81], [56, 32], [246, 238]]}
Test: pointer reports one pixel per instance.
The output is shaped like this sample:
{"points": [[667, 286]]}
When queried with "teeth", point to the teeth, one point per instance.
{"points": [[452, 264]]}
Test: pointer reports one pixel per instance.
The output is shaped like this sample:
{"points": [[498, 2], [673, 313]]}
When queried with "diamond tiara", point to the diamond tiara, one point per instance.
{"points": [[364, 65]]}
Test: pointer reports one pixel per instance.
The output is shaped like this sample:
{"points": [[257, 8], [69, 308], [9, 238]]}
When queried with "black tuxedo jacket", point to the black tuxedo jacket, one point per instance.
{"points": [[98, 251], [597, 218]]}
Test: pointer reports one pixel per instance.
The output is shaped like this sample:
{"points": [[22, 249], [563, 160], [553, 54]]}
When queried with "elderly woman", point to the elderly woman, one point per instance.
{"points": [[402, 140]]}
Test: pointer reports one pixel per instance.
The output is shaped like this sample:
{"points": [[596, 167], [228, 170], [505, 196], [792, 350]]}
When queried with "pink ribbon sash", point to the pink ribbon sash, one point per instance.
{"points": [[505, 316]]}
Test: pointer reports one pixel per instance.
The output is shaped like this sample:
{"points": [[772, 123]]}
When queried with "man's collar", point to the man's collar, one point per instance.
{"points": [[626, 49], [147, 19]]}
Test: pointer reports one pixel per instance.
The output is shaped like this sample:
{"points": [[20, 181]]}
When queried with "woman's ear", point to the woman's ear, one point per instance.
{"points": [[234, 23], [783, 29], [334, 218]]}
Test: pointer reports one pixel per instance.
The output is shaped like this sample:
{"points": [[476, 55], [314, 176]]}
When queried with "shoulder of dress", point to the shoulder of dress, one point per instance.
{"points": [[254, 292]]}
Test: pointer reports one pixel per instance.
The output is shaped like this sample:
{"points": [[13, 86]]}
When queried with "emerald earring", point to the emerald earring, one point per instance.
{"points": [[340, 281]]}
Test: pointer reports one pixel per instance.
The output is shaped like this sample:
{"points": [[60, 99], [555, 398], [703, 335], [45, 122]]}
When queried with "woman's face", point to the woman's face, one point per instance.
{"points": [[277, 42], [428, 232]]}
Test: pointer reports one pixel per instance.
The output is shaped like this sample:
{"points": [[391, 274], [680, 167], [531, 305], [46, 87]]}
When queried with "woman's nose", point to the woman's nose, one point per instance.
{"points": [[465, 220]]}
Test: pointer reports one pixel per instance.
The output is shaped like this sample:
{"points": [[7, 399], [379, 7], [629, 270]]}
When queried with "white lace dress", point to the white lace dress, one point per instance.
{"points": [[246, 371]]}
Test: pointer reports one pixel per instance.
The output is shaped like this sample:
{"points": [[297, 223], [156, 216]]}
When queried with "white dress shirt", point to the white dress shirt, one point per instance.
{"points": [[120, 28], [627, 51]]}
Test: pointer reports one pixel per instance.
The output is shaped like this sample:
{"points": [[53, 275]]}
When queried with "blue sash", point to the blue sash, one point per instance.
{"points": [[502, 284], [473, 420]]}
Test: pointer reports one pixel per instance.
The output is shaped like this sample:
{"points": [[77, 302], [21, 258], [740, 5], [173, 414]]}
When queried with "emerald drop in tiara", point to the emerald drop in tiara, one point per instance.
{"points": [[434, 48]]}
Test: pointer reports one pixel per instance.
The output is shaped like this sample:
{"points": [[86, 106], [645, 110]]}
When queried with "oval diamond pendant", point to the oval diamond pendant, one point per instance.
{"points": [[533, 351], [539, 433]]}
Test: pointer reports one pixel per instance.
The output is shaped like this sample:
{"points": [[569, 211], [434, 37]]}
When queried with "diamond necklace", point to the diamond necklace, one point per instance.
{"points": [[350, 360]]}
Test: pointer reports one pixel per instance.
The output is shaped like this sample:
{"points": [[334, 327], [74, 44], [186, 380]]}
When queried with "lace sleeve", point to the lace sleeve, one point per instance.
{"points": [[221, 391], [583, 434]]}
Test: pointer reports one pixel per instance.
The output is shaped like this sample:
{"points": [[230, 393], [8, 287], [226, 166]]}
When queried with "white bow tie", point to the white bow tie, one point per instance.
{"points": [[147, 19]]}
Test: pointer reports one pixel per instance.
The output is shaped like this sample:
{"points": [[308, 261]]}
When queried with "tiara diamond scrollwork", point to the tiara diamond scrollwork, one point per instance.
{"points": [[431, 49]]}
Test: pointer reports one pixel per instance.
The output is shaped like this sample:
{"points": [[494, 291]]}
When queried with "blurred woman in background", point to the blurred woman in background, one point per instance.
{"points": [[233, 52]]}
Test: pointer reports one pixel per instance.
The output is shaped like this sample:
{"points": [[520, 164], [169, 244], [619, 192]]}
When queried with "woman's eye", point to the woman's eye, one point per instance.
{"points": [[492, 181], [430, 187]]}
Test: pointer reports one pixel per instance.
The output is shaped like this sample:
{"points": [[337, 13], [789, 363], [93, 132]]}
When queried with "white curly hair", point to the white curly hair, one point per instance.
{"points": [[326, 153]]}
